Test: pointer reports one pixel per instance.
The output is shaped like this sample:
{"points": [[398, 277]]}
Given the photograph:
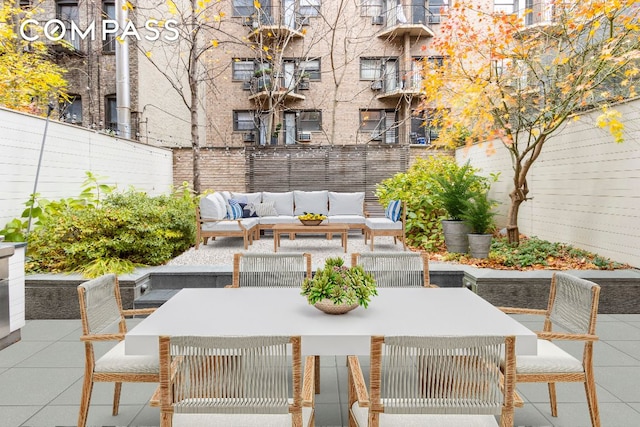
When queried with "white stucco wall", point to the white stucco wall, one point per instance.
{"points": [[585, 188], [69, 152]]}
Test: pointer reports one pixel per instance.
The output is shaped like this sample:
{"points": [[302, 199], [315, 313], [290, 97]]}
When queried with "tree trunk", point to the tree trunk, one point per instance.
{"points": [[193, 87]]}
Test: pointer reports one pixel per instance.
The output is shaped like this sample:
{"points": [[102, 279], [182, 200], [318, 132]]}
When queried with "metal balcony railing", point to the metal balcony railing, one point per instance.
{"points": [[416, 14], [289, 17]]}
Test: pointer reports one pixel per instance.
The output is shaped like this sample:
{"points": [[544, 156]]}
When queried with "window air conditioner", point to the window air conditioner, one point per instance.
{"points": [[246, 85], [377, 20], [303, 21], [249, 137], [304, 136], [376, 85], [376, 135]]}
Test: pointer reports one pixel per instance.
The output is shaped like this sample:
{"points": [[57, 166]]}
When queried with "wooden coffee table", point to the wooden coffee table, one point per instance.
{"points": [[293, 229]]}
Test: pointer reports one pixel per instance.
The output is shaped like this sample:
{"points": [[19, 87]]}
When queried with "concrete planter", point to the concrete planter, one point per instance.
{"points": [[479, 245], [455, 236]]}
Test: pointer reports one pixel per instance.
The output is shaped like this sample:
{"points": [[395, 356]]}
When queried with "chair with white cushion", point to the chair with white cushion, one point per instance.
{"points": [[235, 381], [103, 319], [572, 308], [395, 269], [434, 381], [393, 224]]}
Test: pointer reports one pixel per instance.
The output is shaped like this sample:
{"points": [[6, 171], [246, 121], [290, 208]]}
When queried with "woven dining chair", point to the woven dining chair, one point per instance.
{"points": [[103, 319], [573, 308], [235, 381], [395, 269], [284, 270], [441, 381]]}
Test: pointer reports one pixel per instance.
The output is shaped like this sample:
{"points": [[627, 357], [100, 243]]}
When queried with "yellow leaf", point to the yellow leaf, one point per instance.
{"points": [[256, 4], [148, 54], [214, 43]]}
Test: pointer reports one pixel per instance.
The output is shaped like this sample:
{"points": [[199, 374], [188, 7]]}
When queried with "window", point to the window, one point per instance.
{"points": [[381, 124], [242, 69], [437, 8], [506, 6], [71, 110], [437, 60], [310, 120], [244, 121], [311, 67], [67, 12], [111, 113], [371, 8], [422, 130], [109, 13], [309, 7], [370, 68], [243, 8]]}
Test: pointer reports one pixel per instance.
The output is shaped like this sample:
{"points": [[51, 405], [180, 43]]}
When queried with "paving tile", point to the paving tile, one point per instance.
{"points": [[631, 348], [15, 416], [328, 386], [327, 415], [619, 331], [132, 393], [60, 354], [67, 415], [147, 416], [565, 392], [621, 381], [49, 330], [35, 386], [529, 415], [20, 351], [576, 415]]}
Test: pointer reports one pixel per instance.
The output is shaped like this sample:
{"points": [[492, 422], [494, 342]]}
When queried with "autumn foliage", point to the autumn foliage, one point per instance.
{"points": [[517, 78], [29, 80]]}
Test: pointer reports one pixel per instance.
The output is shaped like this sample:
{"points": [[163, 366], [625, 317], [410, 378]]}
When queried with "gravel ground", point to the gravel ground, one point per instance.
{"points": [[221, 250]]}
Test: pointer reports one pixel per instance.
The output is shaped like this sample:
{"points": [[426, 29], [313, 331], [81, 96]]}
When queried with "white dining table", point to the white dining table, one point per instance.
{"points": [[283, 311]]}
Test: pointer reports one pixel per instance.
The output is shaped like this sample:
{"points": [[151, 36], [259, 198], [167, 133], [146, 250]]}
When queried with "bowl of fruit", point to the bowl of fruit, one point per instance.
{"points": [[310, 218]]}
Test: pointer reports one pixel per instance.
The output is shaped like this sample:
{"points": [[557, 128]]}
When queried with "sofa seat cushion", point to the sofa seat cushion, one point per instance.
{"points": [[346, 219], [382, 224], [240, 420], [361, 415], [346, 203], [230, 225], [283, 202], [550, 359], [279, 219], [311, 202]]}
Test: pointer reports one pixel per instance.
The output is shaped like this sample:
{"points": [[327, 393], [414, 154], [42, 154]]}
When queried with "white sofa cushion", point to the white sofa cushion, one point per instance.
{"points": [[240, 420], [279, 219], [550, 358], [247, 198], [213, 206], [230, 225], [311, 201], [283, 202], [346, 219], [383, 224], [346, 203]]}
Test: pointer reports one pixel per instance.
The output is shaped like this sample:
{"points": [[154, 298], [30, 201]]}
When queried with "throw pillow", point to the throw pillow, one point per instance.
{"points": [[248, 211], [265, 209], [393, 210], [234, 210], [213, 206]]}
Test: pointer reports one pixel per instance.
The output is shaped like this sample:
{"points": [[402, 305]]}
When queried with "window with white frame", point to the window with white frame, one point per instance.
{"points": [[371, 8], [371, 68], [381, 124], [242, 69], [244, 121], [437, 9], [309, 7]]}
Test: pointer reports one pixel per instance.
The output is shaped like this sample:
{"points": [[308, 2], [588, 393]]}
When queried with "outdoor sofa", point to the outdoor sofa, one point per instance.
{"points": [[245, 215]]}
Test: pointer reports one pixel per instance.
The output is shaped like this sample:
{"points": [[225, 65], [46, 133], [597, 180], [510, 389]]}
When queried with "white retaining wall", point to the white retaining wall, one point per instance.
{"points": [[69, 152], [585, 187]]}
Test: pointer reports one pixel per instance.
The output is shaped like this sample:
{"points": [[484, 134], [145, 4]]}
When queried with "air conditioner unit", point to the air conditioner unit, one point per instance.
{"points": [[304, 136], [249, 137], [303, 85], [377, 20], [376, 85], [376, 135], [246, 85]]}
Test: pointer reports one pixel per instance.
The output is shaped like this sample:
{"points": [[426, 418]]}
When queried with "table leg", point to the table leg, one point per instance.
{"points": [[276, 236], [345, 237]]}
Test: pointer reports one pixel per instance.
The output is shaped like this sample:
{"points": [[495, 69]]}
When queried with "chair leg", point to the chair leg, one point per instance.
{"points": [[553, 400], [316, 363], [371, 237], [85, 400], [116, 398], [592, 398]]}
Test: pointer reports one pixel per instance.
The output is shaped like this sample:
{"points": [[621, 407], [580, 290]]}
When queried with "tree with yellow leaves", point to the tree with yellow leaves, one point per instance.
{"points": [[519, 77], [29, 80]]}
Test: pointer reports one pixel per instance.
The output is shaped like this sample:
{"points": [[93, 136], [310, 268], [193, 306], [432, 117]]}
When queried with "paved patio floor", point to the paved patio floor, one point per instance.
{"points": [[41, 380]]}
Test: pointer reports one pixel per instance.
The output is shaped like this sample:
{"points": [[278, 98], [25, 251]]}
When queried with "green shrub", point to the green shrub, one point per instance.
{"points": [[126, 230]]}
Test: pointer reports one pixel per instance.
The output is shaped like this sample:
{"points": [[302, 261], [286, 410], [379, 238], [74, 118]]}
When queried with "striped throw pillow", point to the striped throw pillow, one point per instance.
{"points": [[393, 210], [234, 210]]}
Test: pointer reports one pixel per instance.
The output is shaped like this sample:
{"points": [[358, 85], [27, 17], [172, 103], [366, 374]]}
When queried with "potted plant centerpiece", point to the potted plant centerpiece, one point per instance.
{"points": [[337, 289], [479, 217], [456, 186]]}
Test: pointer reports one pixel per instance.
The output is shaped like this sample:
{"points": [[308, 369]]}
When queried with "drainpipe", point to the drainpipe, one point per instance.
{"points": [[123, 95]]}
